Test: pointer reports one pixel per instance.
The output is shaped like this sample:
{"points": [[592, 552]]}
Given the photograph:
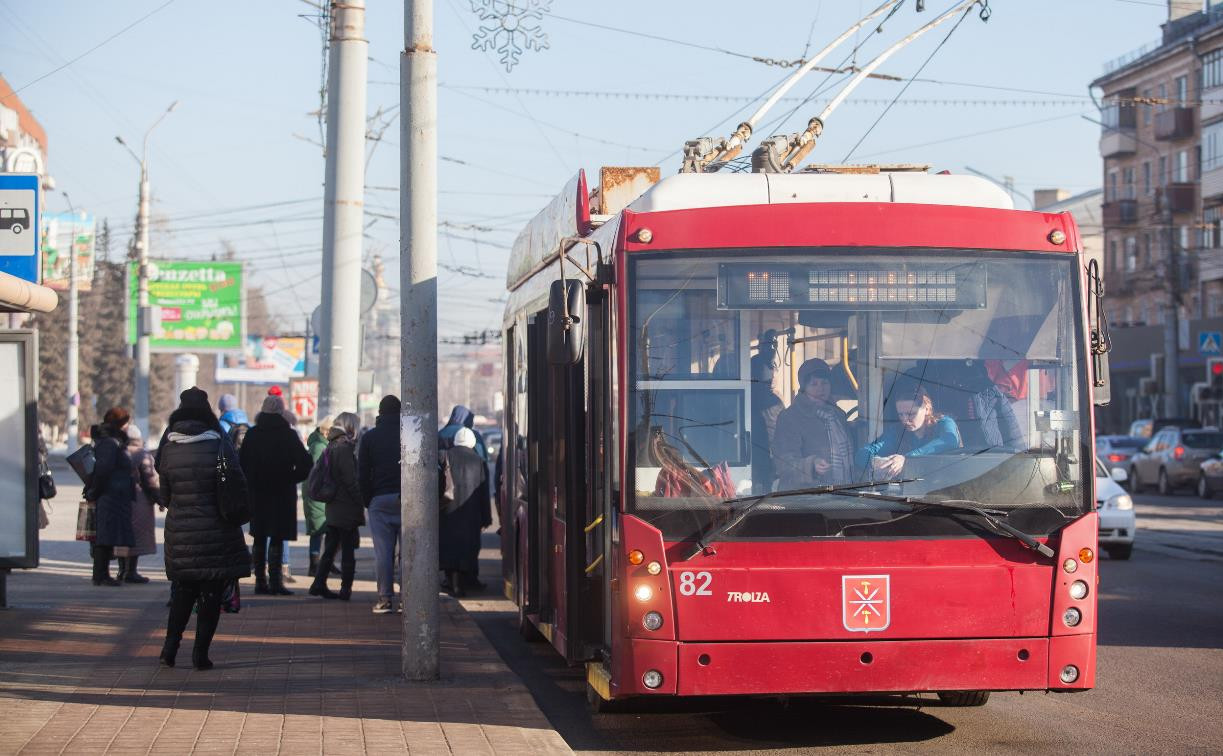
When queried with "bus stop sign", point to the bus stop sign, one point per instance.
{"points": [[19, 225]]}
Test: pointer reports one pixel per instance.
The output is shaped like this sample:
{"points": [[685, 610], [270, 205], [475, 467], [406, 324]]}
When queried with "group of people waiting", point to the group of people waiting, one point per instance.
{"points": [[205, 552], [812, 442]]}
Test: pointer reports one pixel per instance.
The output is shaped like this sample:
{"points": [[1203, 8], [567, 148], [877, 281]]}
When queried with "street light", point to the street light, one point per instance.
{"points": [[74, 345], [143, 321]]}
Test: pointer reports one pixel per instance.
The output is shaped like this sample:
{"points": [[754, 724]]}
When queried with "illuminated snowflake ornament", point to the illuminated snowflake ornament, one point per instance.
{"points": [[510, 27]]}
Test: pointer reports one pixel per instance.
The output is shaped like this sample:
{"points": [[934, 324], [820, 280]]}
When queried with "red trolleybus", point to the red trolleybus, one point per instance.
{"points": [[683, 519]]}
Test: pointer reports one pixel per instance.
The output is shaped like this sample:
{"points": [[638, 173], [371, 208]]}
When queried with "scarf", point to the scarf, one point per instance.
{"points": [[839, 452]]}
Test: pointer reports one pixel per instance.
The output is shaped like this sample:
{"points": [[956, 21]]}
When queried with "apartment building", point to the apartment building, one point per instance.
{"points": [[1162, 144]]}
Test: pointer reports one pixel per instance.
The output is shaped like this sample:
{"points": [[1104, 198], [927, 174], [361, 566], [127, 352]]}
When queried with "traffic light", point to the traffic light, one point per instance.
{"points": [[1214, 378]]}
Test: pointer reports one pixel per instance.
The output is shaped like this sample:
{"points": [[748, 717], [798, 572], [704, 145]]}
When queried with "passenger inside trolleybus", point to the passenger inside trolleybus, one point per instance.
{"points": [[989, 338]]}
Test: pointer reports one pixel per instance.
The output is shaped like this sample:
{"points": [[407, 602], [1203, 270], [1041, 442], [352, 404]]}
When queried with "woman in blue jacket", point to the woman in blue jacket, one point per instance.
{"points": [[921, 431]]}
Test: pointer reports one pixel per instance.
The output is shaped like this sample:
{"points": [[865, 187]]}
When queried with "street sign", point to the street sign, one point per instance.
{"points": [[1210, 342], [19, 225], [303, 395]]}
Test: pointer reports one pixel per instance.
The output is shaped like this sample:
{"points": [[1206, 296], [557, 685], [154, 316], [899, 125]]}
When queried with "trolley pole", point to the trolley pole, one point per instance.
{"points": [[418, 319], [343, 209]]}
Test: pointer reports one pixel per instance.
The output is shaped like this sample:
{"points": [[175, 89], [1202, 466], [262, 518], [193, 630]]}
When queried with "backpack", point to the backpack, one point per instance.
{"points": [[320, 486], [237, 433]]}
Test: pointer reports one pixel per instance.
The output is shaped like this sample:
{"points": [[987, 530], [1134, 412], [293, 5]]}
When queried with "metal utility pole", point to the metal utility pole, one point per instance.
{"points": [[144, 320], [1172, 324], [343, 209], [74, 341], [418, 326]]}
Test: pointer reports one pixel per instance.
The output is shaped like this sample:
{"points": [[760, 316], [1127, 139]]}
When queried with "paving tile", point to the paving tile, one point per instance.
{"points": [[294, 675]]}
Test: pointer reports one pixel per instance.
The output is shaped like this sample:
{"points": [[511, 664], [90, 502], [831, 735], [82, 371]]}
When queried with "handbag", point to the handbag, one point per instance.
{"points": [[231, 598], [232, 503], [87, 521], [82, 461], [46, 486]]}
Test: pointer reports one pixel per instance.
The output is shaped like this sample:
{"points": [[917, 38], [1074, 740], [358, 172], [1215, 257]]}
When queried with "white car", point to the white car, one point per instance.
{"points": [[1116, 508]]}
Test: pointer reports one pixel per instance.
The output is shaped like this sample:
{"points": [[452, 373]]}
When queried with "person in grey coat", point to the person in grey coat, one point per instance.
{"points": [[144, 520], [113, 490], [203, 551], [345, 510]]}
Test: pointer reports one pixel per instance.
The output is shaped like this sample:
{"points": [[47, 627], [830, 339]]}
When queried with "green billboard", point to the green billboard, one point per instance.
{"points": [[196, 305]]}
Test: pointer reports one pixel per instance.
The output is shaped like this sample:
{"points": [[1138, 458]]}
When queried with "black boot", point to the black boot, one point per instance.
{"points": [[456, 584], [130, 575], [261, 579], [101, 565], [122, 573], [276, 581], [207, 617]]}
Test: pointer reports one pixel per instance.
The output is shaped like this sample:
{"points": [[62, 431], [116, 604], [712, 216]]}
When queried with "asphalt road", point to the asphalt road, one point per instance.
{"points": [[1159, 684]]}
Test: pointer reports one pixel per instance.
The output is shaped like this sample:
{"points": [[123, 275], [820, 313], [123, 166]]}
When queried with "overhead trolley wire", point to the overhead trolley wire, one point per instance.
{"points": [[908, 83]]}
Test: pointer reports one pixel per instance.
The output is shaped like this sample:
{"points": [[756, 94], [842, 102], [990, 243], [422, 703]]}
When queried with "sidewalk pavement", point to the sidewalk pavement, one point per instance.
{"points": [[294, 674]]}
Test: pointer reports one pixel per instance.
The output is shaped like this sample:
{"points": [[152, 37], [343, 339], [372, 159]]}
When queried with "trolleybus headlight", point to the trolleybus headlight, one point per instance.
{"points": [[1078, 590], [645, 236], [1070, 565], [653, 568], [1057, 236], [652, 620], [643, 592], [1069, 674], [652, 679], [1072, 617], [635, 557]]}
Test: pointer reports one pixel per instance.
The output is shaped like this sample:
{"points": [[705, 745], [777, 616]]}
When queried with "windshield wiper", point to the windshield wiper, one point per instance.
{"points": [[989, 515], [703, 539]]}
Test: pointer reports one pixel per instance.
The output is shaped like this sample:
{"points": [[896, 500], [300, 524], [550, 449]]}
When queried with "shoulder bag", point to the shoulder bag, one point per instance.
{"points": [[232, 500]]}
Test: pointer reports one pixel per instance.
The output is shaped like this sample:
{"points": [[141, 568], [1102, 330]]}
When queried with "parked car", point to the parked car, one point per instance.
{"points": [[1116, 510], [1210, 477], [1173, 458], [1117, 450]]}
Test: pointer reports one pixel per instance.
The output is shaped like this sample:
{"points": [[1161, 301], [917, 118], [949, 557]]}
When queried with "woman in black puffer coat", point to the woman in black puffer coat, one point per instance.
{"points": [[274, 460], [113, 489], [203, 551]]}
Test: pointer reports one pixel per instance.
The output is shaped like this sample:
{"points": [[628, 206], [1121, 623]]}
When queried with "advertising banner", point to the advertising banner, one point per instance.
{"points": [[62, 235], [196, 306], [264, 359]]}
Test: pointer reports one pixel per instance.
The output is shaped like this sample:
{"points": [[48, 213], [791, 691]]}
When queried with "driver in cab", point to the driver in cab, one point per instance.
{"points": [[920, 431]]}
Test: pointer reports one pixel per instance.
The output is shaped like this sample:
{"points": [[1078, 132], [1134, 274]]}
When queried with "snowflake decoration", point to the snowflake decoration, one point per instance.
{"points": [[510, 27]]}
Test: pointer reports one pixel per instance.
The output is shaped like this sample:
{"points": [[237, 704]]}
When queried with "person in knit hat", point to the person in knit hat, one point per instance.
{"points": [[274, 461], [203, 552]]}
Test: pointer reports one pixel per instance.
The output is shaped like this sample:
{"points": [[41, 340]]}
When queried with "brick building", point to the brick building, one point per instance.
{"points": [[1162, 145]]}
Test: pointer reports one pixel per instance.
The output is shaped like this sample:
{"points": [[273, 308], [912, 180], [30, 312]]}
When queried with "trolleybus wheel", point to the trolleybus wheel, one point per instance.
{"points": [[964, 697]]}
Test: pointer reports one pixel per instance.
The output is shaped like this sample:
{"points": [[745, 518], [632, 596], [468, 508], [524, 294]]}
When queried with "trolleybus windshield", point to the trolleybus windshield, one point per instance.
{"points": [[956, 374]]}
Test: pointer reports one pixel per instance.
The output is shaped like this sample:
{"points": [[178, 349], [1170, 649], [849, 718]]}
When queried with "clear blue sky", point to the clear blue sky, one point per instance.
{"points": [[247, 74]]}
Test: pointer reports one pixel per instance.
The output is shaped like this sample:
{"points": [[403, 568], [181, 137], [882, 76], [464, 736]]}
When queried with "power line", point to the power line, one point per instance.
{"points": [[95, 47], [697, 97], [972, 134]]}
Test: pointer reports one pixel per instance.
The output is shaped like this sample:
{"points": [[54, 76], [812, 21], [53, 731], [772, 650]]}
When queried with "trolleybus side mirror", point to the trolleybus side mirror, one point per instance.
{"points": [[566, 329]]}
